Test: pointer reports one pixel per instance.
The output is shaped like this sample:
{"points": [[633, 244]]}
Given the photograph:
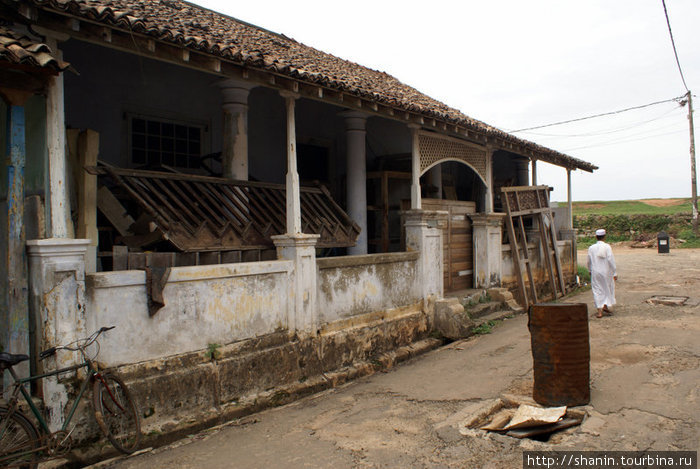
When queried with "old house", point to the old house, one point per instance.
{"points": [[258, 218]]}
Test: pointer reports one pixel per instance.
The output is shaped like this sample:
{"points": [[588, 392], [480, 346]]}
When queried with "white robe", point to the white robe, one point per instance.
{"points": [[601, 264]]}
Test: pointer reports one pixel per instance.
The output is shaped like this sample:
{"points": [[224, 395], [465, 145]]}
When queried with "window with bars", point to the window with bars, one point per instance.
{"points": [[155, 143]]}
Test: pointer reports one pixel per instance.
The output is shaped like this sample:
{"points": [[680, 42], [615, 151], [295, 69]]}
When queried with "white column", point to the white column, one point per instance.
{"points": [[488, 203], [58, 304], [534, 172], [59, 204], [234, 155], [486, 242], [293, 198], [300, 248], [568, 199], [424, 234], [355, 131], [415, 167]]}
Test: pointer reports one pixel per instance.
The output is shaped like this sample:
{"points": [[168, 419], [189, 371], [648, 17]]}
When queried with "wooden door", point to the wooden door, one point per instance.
{"points": [[457, 242]]}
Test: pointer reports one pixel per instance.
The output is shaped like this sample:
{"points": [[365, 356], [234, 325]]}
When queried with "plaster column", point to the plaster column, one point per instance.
{"points": [[415, 167], [522, 171], [486, 240], [534, 172], [57, 305], [234, 156], [293, 198], [355, 125], [435, 180], [569, 201], [424, 234], [58, 201], [15, 315], [302, 315]]}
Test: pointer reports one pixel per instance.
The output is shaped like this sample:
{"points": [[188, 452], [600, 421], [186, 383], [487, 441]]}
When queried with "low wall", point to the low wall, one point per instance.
{"points": [[216, 304], [567, 259], [371, 315], [181, 393], [353, 285]]}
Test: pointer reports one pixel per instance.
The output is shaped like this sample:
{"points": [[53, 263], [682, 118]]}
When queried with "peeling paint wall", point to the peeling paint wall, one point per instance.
{"points": [[353, 285], [216, 304]]}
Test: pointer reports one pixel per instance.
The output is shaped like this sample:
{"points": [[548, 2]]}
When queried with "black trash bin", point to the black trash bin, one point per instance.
{"points": [[663, 242]]}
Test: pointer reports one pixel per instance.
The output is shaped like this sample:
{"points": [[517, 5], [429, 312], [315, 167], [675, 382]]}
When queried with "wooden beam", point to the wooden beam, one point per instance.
{"points": [[88, 150]]}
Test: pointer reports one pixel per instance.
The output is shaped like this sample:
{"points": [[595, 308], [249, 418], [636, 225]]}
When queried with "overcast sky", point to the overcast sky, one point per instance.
{"points": [[516, 64]]}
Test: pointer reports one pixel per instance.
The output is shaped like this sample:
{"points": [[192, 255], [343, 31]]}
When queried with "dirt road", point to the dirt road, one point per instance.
{"points": [[645, 387]]}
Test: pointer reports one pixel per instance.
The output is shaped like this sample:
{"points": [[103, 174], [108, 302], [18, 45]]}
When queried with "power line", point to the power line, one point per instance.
{"points": [[665, 115], [598, 115], [673, 43], [623, 140]]}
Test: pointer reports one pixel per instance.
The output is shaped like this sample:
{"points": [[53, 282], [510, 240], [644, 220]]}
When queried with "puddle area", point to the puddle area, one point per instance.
{"points": [[518, 419]]}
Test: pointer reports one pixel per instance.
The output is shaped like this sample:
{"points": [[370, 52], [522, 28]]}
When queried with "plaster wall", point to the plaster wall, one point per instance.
{"points": [[203, 305], [353, 285], [509, 277], [112, 84]]}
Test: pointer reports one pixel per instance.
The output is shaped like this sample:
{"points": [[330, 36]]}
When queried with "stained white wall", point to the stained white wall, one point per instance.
{"points": [[203, 305], [354, 285]]}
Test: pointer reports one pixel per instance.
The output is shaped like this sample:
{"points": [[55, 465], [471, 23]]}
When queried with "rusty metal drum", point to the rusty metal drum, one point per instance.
{"points": [[560, 353]]}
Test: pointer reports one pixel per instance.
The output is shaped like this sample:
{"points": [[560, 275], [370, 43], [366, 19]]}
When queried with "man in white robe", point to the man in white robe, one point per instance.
{"points": [[601, 264]]}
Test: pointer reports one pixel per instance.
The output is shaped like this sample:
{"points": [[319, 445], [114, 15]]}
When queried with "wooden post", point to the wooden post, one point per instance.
{"points": [[56, 140], [569, 201], [88, 149], [415, 168], [293, 198], [693, 176], [16, 308]]}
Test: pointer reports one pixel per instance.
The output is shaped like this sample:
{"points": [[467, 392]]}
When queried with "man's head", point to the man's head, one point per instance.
{"points": [[600, 234]]}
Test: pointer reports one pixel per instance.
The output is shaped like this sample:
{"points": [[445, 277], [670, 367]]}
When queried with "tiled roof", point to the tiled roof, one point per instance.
{"points": [[195, 27], [20, 49]]}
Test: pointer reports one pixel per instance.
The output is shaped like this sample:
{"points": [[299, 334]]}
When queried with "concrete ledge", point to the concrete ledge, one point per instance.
{"points": [[130, 278], [366, 259], [184, 393]]}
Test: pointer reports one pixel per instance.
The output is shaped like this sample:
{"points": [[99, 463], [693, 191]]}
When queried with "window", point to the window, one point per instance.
{"points": [[157, 143]]}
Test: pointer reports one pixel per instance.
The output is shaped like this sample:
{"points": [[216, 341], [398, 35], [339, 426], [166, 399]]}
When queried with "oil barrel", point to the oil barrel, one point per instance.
{"points": [[560, 353]]}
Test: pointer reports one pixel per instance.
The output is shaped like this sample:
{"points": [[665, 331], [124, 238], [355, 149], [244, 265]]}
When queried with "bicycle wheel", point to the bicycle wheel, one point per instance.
{"points": [[116, 413], [19, 441]]}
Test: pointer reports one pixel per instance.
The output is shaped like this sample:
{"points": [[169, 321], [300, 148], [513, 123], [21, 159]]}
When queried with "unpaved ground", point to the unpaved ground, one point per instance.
{"points": [[663, 202], [645, 375]]}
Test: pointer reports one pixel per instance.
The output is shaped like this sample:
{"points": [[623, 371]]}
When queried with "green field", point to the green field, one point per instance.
{"points": [[633, 207], [635, 220]]}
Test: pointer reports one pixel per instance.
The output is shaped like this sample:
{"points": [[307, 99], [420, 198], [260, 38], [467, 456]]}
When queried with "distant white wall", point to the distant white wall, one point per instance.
{"points": [[203, 305]]}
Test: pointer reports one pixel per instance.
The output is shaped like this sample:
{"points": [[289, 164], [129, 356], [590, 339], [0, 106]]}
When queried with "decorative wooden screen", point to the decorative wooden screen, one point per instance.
{"points": [[532, 201], [435, 148], [199, 213]]}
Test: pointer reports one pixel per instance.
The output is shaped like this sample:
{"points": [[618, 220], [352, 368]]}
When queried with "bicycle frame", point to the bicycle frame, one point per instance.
{"points": [[20, 388]]}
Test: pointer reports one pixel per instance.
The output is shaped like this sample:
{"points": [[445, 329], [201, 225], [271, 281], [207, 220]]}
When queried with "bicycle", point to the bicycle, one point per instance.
{"points": [[23, 445]]}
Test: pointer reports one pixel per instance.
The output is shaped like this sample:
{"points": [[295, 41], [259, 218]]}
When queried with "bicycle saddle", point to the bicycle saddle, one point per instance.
{"points": [[9, 359]]}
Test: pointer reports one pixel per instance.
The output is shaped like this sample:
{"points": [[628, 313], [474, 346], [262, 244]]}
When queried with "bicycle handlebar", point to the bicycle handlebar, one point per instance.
{"points": [[80, 344]]}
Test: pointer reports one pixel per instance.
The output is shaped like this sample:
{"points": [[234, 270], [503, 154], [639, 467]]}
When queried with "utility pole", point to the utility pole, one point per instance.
{"points": [[693, 178]]}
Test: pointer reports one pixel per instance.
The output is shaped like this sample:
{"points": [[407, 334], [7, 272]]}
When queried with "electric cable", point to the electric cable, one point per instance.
{"points": [[624, 140], [673, 43], [598, 115], [605, 132]]}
